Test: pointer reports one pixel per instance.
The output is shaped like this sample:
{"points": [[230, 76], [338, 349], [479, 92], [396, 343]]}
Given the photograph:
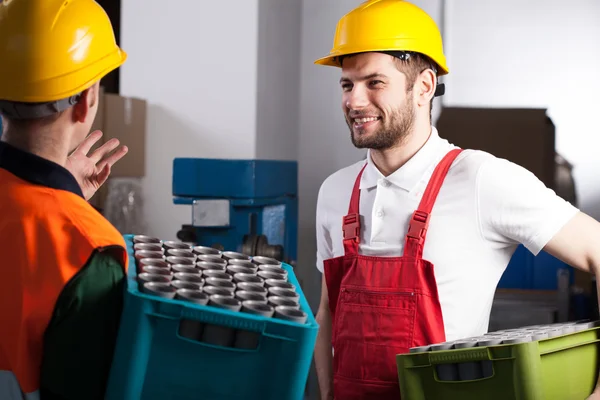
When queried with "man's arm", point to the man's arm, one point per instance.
{"points": [[80, 339], [323, 347], [578, 244], [323, 355]]}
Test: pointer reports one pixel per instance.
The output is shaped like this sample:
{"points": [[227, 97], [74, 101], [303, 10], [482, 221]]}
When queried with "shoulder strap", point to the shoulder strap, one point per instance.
{"points": [[351, 222], [419, 222]]}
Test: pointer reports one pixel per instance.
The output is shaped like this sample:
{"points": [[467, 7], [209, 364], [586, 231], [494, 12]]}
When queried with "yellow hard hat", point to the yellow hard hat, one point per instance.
{"points": [[54, 49], [387, 25]]}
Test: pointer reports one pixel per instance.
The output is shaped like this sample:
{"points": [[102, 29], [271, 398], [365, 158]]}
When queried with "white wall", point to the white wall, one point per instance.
{"points": [[278, 83], [536, 53], [196, 65], [324, 138]]}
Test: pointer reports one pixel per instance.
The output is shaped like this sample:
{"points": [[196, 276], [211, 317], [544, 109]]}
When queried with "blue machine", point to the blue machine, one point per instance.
{"points": [[529, 272], [249, 206]]}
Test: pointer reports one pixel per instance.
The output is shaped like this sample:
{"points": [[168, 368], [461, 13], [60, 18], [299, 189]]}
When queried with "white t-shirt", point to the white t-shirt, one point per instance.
{"points": [[485, 208]]}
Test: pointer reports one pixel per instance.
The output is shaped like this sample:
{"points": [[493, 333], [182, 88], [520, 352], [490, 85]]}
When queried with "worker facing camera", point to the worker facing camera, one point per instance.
{"points": [[413, 241], [64, 264]]}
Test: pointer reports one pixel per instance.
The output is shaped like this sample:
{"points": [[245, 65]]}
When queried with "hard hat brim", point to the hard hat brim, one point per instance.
{"points": [[331, 59]]}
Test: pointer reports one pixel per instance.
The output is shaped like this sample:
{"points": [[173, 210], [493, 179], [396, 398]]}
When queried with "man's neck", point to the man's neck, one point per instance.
{"points": [[390, 160], [42, 144]]}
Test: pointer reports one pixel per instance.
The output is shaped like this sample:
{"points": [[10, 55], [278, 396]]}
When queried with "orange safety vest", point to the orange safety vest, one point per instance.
{"points": [[47, 236]]}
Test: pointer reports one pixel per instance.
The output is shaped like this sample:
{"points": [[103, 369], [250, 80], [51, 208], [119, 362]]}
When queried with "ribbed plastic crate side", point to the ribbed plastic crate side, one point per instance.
{"points": [[570, 364], [132, 350]]}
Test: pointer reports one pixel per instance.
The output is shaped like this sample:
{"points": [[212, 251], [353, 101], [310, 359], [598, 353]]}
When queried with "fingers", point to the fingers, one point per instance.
{"points": [[103, 175], [113, 158], [89, 142], [101, 152]]}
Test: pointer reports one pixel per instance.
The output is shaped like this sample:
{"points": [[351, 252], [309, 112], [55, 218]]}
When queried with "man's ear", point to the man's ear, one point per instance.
{"points": [[88, 100], [425, 87]]}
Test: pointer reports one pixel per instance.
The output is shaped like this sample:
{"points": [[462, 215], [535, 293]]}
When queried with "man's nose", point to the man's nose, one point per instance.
{"points": [[357, 98]]}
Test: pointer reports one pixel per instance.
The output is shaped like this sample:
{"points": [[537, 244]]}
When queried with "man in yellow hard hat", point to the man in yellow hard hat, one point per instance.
{"points": [[63, 265], [413, 242]]}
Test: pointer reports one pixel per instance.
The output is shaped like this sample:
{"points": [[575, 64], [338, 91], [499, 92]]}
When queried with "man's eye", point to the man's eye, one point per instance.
{"points": [[375, 83], [346, 87]]}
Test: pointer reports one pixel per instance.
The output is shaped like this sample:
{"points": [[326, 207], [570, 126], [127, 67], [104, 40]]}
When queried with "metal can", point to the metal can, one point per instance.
{"points": [[222, 291], [146, 239], [283, 292], [212, 258], [221, 335], [283, 301], [233, 255], [244, 295], [172, 244], [290, 314], [181, 260], [159, 289], [265, 260], [218, 275], [181, 253], [190, 269], [155, 262], [192, 295], [252, 287], [146, 277], [206, 266], [140, 254], [156, 270], [184, 276], [198, 250], [149, 247], [179, 284], [241, 277]]}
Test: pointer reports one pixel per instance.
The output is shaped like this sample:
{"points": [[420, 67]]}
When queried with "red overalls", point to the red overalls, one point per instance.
{"points": [[382, 306]]}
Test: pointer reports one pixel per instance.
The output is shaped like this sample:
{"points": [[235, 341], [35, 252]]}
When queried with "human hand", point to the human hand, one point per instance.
{"points": [[92, 171], [595, 394]]}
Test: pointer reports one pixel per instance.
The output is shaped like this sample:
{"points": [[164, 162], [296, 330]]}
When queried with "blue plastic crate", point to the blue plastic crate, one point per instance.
{"points": [[153, 362]]}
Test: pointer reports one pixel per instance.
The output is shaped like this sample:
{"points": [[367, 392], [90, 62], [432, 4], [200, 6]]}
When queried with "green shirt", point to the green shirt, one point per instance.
{"points": [[79, 341]]}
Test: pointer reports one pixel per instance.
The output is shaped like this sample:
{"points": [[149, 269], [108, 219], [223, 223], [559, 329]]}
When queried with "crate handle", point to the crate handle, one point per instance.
{"points": [[225, 333], [465, 355], [469, 365]]}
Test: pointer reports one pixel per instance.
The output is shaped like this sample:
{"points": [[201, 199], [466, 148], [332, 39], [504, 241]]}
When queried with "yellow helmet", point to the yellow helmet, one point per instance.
{"points": [[387, 25], [54, 49]]}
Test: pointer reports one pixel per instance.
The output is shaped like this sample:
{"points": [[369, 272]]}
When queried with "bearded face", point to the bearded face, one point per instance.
{"points": [[374, 129], [378, 108]]}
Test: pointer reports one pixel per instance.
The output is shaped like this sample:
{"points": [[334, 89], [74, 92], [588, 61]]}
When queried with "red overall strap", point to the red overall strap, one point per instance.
{"points": [[351, 222], [417, 227]]}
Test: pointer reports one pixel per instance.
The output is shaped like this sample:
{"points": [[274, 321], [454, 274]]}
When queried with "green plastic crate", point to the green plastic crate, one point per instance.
{"points": [[556, 362]]}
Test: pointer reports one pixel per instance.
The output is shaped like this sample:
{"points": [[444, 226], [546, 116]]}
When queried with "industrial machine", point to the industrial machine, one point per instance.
{"points": [[248, 205]]}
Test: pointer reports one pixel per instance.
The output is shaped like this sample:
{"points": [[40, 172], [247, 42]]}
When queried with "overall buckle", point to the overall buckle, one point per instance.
{"points": [[351, 227], [417, 227]]}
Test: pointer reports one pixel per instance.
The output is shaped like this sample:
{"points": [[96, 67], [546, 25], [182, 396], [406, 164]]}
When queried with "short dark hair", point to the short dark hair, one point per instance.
{"points": [[412, 64]]}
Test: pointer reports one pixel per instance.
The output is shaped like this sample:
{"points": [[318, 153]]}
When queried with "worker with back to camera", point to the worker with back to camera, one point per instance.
{"points": [[413, 241], [63, 265]]}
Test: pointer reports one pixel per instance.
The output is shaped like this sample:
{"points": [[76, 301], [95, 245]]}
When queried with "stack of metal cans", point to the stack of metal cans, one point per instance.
{"points": [[477, 370], [225, 279]]}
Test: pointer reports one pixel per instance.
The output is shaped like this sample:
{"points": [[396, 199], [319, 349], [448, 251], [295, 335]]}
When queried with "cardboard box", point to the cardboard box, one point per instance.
{"points": [[125, 119], [523, 136]]}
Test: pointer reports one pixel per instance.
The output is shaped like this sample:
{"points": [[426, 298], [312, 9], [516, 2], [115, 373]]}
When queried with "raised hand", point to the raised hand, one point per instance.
{"points": [[92, 171]]}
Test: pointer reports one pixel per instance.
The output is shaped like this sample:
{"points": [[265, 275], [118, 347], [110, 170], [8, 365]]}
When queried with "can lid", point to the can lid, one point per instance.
{"points": [[442, 346], [516, 340], [464, 344], [420, 349]]}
